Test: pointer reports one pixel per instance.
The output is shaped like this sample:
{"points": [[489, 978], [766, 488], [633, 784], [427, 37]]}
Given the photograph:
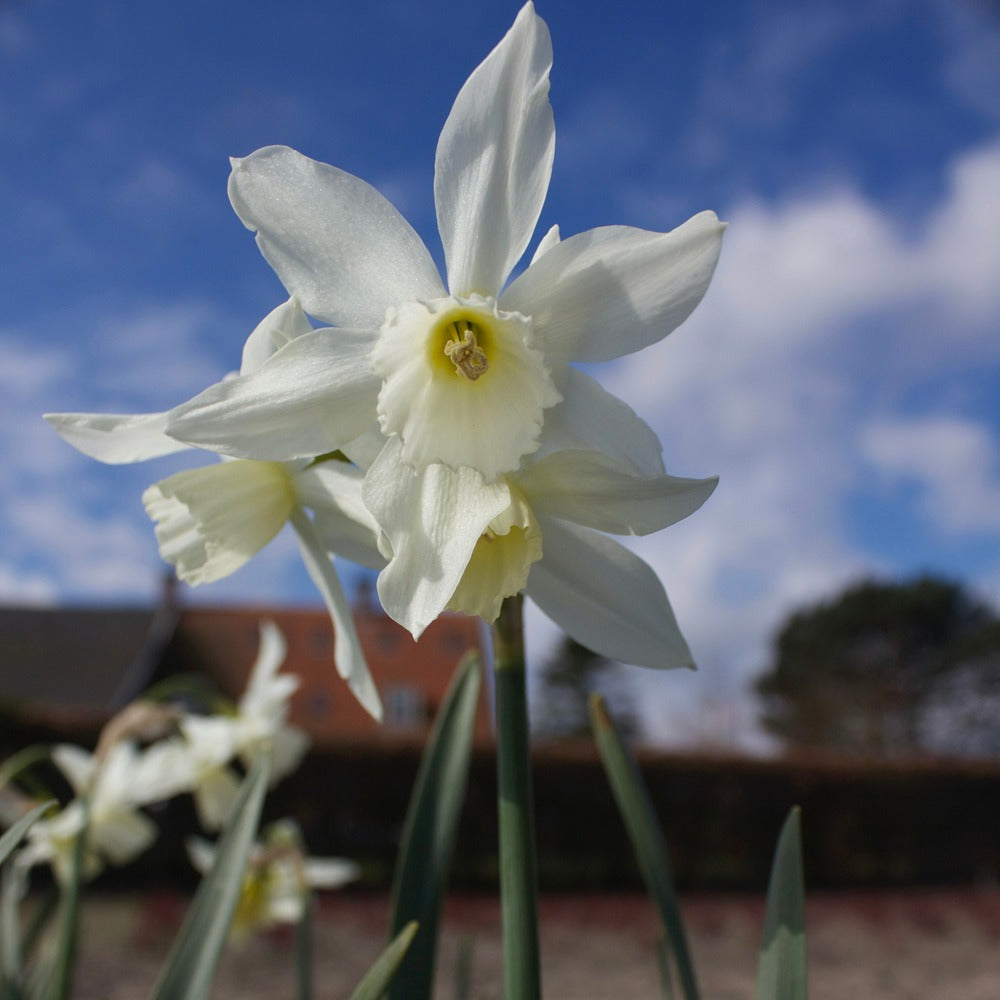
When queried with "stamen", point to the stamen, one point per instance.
{"points": [[468, 357]]}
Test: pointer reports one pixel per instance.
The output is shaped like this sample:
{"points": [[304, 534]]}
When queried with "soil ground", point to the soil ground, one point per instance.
{"points": [[919, 945]]}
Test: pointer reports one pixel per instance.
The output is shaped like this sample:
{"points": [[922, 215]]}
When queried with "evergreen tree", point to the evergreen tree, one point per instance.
{"points": [[560, 710], [888, 668]]}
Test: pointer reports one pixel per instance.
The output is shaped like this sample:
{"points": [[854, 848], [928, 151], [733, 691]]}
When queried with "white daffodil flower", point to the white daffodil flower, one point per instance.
{"points": [[540, 530], [466, 373], [278, 878], [212, 520], [199, 760], [116, 830], [262, 712]]}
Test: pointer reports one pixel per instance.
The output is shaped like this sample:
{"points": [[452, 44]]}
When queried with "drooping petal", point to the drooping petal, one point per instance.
{"points": [[275, 330], [332, 491], [611, 291], [116, 438], [432, 521], [347, 653], [311, 397], [336, 244], [590, 489], [494, 159], [210, 521], [592, 419], [605, 597]]}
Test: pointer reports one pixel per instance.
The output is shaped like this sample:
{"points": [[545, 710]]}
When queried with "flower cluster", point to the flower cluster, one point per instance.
{"points": [[438, 429], [279, 878], [152, 752]]}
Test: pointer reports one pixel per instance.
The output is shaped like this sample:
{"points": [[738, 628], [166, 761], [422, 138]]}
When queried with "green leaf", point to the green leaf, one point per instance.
{"points": [[304, 948], [463, 968], [18, 767], [195, 954], [644, 832], [61, 974], [379, 976], [781, 973], [10, 936], [17, 832], [663, 966], [429, 832], [10, 893]]}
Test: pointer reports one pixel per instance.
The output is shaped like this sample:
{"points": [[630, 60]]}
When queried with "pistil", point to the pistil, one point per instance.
{"points": [[468, 357]]}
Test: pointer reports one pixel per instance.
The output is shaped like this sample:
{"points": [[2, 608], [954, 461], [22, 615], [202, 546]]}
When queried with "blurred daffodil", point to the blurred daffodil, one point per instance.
{"points": [[279, 878], [210, 521]]}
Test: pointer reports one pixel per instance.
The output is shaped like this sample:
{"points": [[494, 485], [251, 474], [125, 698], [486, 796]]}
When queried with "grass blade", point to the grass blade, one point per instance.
{"points": [[304, 949], [379, 976], [644, 832], [195, 954], [61, 974], [781, 973], [11, 890], [429, 831], [18, 830]]}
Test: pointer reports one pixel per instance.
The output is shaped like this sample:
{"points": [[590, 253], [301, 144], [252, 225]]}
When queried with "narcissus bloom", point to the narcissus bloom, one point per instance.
{"points": [[212, 520], [278, 879], [117, 829], [464, 373], [199, 759], [539, 531]]}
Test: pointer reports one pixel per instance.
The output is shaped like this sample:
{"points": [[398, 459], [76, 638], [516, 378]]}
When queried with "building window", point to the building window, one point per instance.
{"points": [[405, 706]]}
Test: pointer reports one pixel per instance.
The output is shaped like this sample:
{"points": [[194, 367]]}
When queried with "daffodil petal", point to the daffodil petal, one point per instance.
{"points": [[266, 694], [332, 491], [116, 438], [546, 243], [334, 241], [591, 489], [494, 159], [122, 835], [210, 521], [605, 597], [330, 873], [76, 764], [591, 418], [311, 397], [275, 330], [347, 652], [610, 291], [432, 521]]}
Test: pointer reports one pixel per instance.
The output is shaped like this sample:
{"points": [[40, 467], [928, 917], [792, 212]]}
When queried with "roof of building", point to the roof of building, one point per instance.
{"points": [[70, 669], [90, 659]]}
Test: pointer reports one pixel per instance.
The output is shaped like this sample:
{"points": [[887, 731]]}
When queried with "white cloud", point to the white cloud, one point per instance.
{"points": [[954, 461], [824, 318]]}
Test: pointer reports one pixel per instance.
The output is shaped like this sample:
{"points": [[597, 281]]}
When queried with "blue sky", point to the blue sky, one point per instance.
{"points": [[841, 376]]}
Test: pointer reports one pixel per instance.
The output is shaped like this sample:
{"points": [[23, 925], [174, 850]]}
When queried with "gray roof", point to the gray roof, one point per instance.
{"points": [[82, 658]]}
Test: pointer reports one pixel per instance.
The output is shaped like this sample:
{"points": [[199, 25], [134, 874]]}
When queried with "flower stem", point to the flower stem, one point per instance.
{"points": [[515, 808]]}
